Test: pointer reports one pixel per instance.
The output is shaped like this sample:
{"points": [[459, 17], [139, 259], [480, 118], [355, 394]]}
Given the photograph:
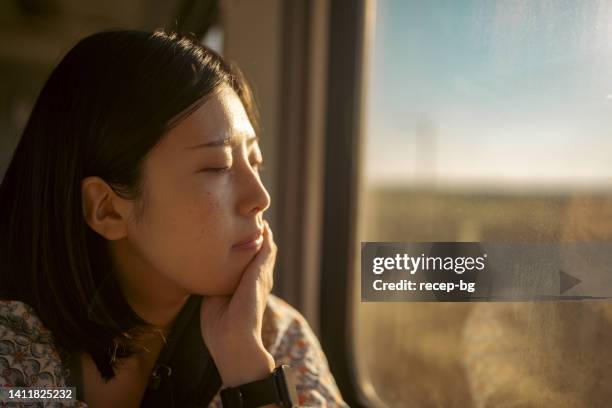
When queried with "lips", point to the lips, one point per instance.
{"points": [[250, 239]]}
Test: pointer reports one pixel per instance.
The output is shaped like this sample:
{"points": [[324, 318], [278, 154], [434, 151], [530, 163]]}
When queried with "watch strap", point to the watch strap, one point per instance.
{"points": [[277, 388]]}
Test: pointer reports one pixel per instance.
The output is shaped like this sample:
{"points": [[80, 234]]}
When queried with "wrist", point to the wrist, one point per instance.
{"points": [[276, 390], [244, 365]]}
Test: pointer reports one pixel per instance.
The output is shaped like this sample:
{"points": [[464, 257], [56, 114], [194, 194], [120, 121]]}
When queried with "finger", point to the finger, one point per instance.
{"points": [[261, 265], [264, 265], [270, 260], [270, 234]]}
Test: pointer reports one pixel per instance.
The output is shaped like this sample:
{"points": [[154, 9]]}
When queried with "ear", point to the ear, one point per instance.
{"points": [[104, 211]]}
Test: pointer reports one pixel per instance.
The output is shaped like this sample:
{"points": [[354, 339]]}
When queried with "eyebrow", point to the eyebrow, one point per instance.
{"points": [[227, 141]]}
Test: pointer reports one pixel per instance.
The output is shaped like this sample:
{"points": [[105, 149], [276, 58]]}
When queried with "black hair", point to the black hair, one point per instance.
{"points": [[104, 107]]}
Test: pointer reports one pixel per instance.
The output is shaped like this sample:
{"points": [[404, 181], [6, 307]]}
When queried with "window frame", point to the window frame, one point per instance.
{"points": [[350, 27]]}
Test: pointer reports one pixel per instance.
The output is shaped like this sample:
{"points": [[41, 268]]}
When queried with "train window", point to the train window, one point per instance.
{"points": [[487, 121]]}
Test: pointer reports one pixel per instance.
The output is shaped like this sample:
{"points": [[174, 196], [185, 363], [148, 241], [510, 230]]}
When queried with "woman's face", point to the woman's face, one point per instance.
{"points": [[202, 195]]}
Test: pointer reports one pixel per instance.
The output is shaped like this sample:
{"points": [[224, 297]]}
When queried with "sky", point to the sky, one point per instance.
{"points": [[512, 94]]}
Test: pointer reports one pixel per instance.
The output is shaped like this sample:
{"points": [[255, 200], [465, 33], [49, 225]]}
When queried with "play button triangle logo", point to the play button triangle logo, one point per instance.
{"points": [[566, 282]]}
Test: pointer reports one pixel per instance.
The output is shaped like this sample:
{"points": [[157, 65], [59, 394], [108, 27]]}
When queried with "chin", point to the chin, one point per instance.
{"points": [[220, 288], [221, 282]]}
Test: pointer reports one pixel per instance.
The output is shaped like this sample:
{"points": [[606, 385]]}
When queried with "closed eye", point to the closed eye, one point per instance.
{"points": [[258, 166], [218, 169]]}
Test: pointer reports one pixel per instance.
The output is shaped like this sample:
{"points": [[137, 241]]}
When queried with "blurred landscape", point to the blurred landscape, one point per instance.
{"points": [[413, 352]]}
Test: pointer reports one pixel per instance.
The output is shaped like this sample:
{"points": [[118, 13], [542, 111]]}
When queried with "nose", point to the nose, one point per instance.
{"points": [[254, 197]]}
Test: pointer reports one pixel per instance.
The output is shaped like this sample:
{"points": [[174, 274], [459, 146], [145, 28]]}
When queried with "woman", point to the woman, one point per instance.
{"points": [[132, 198]]}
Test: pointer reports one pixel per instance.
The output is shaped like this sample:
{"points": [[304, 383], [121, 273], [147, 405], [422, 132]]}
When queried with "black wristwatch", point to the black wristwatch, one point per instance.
{"points": [[278, 388]]}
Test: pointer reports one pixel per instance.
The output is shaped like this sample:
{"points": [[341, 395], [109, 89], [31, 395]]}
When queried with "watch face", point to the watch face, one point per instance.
{"points": [[287, 381]]}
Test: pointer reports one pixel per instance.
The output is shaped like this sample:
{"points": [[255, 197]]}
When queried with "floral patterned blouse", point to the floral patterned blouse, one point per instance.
{"points": [[29, 358]]}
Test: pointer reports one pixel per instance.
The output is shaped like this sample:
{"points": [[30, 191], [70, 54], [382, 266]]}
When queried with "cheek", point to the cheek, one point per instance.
{"points": [[190, 245], [212, 267]]}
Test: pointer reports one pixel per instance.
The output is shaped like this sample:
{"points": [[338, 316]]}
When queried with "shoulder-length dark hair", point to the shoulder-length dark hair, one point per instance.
{"points": [[103, 108]]}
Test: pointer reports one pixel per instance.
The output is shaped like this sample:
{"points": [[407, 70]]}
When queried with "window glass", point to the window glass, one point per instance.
{"points": [[487, 121]]}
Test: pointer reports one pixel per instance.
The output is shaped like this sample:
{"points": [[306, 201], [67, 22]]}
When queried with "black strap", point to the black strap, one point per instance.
{"points": [[278, 388], [259, 393], [185, 374], [162, 368]]}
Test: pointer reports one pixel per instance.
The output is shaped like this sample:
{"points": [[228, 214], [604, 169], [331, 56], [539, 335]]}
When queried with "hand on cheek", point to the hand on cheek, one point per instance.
{"points": [[231, 325]]}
